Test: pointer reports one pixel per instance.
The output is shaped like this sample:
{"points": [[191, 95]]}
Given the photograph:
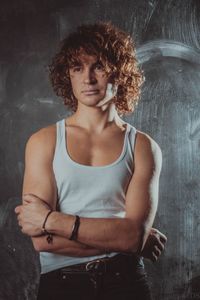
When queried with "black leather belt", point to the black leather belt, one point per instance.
{"points": [[117, 263]]}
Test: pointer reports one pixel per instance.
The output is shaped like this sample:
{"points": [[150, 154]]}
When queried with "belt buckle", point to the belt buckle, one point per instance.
{"points": [[95, 264]]}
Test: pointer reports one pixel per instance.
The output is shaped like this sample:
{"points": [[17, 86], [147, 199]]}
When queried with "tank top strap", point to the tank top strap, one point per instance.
{"points": [[59, 133], [131, 140]]}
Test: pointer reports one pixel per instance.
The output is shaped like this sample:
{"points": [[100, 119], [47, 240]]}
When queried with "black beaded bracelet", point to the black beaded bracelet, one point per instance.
{"points": [[49, 235], [75, 228]]}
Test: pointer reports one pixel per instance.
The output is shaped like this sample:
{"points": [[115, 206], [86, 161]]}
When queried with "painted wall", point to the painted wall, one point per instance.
{"points": [[167, 36]]}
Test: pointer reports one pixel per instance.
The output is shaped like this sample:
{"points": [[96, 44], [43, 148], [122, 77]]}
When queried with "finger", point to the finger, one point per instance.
{"points": [[29, 197], [163, 238], [157, 251], [110, 94], [19, 221], [22, 230], [26, 201], [17, 209], [154, 230], [159, 234], [154, 257], [160, 246]]}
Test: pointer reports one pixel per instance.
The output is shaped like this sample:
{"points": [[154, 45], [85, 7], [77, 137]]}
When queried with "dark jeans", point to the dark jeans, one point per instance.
{"points": [[123, 280]]}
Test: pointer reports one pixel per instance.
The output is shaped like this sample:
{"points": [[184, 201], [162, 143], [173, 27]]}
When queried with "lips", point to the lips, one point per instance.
{"points": [[90, 92]]}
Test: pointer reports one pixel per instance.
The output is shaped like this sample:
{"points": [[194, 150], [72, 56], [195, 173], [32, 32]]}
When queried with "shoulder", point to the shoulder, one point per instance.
{"points": [[147, 152], [146, 143], [42, 141]]}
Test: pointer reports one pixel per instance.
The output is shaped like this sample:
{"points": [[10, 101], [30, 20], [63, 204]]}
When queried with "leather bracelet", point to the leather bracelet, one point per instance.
{"points": [[49, 235], [75, 228]]}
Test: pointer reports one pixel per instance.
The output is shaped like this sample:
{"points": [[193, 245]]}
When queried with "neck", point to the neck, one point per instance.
{"points": [[94, 119]]}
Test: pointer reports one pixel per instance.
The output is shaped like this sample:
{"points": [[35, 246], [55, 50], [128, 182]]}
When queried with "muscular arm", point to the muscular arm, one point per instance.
{"points": [[129, 233], [39, 180], [64, 246]]}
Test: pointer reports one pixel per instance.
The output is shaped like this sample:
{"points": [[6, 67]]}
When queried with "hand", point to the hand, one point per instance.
{"points": [[111, 92], [154, 245], [31, 214]]}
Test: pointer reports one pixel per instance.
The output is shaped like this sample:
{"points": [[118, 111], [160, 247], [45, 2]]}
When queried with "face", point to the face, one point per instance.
{"points": [[90, 83]]}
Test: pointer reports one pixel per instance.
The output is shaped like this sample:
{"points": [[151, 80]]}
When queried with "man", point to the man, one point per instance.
{"points": [[90, 189]]}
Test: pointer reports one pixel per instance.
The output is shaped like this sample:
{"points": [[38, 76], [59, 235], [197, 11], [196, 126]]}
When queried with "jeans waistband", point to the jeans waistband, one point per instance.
{"points": [[118, 263]]}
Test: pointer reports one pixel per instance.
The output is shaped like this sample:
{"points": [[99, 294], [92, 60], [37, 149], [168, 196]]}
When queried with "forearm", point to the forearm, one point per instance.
{"points": [[107, 234], [64, 246]]}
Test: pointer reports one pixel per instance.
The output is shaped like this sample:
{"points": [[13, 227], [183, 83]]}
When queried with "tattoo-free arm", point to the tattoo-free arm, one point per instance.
{"points": [[64, 246], [131, 232], [39, 180]]}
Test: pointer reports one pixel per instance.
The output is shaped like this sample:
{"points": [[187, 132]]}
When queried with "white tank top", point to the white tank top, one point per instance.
{"points": [[89, 191]]}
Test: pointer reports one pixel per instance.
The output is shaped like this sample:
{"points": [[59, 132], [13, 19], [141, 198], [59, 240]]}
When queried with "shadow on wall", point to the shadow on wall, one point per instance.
{"points": [[17, 256], [169, 111], [194, 287]]}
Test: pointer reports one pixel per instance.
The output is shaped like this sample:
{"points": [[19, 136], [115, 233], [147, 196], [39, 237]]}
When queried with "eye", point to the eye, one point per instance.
{"points": [[99, 67], [76, 69]]}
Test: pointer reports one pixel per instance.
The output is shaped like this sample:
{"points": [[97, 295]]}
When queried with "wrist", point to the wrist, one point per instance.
{"points": [[45, 218], [75, 228], [60, 224]]}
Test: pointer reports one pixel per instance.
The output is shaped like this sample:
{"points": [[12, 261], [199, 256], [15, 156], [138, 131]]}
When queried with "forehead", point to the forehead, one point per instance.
{"points": [[86, 59]]}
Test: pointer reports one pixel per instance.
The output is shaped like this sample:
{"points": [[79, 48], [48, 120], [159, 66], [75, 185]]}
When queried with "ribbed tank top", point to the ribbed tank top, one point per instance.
{"points": [[89, 191]]}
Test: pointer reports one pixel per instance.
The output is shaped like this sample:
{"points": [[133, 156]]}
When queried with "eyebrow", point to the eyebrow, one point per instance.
{"points": [[75, 64], [80, 63]]}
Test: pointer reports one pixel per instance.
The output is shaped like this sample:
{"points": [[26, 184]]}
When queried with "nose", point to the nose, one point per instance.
{"points": [[89, 77]]}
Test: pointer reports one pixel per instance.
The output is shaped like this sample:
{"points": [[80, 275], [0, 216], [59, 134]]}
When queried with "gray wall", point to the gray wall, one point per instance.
{"points": [[167, 35]]}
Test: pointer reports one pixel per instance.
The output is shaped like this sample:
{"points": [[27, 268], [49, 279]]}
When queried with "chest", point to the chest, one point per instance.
{"points": [[94, 149]]}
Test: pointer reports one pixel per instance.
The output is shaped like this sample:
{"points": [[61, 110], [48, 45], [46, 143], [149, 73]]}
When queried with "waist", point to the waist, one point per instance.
{"points": [[106, 265]]}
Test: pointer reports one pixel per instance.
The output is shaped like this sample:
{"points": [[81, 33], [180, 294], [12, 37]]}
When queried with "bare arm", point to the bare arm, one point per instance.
{"points": [[131, 232], [64, 246], [39, 180]]}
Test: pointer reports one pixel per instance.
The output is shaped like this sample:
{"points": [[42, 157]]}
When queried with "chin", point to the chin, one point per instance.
{"points": [[91, 101]]}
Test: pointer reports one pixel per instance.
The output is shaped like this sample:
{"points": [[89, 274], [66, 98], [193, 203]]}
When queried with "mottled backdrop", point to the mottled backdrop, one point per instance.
{"points": [[167, 36]]}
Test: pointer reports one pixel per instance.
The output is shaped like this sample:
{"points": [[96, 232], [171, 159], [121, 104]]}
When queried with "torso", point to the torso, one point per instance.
{"points": [[94, 149], [86, 149]]}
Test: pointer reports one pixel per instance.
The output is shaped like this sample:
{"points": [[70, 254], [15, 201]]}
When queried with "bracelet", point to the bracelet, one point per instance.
{"points": [[75, 228], [49, 235]]}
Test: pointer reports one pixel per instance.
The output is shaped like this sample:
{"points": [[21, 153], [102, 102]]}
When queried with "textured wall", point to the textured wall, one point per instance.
{"points": [[167, 36]]}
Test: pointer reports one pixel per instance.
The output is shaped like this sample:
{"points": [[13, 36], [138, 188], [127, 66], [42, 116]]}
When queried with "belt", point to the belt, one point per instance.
{"points": [[117, 263]]}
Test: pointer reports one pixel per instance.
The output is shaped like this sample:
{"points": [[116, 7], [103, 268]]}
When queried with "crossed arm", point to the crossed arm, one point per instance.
{"points": [[96, 235]]}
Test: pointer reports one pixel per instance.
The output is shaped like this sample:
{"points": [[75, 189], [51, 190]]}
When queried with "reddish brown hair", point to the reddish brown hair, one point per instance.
{"points": [[115, 50]]}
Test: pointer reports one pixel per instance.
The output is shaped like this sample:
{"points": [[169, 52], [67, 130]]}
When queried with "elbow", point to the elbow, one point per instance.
{"points": [[133, 241]]}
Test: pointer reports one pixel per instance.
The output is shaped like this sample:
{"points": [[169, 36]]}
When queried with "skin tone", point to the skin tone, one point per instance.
{"points": [[95, 120]]}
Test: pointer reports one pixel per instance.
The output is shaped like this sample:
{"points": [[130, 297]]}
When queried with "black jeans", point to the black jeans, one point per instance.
{"points": [[122, 279]]}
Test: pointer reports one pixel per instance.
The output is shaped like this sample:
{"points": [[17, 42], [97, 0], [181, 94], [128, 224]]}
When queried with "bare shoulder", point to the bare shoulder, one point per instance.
{"points": [[39, 178], [146, 143], [147, 151], [43, 141]]}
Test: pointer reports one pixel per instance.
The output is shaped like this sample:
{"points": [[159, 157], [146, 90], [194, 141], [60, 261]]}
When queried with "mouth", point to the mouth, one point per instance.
{"points": [[90, 92]]}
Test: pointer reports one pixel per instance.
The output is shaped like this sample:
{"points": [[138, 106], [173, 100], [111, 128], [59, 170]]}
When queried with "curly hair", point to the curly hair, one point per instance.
{"points": [[115, 50]]}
